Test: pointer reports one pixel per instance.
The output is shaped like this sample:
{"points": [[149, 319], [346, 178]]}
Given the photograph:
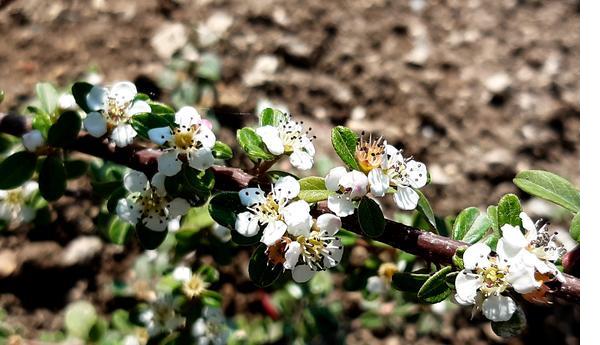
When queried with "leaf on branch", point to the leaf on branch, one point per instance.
{"points": [[118, 230], [471, 225], [312, 189], [65, 129], [549, 186], [48, 97], [424, 207], [52, 178], [142, 123], [159, 108], [224, 207], [16, 169], [253, 145], [262, 272], [408, 282], [222, 151], [509, 209], [149, 239], [435, 289], [370, 217], [80, 91], [574, 229], [344, 142], [271, 117]]}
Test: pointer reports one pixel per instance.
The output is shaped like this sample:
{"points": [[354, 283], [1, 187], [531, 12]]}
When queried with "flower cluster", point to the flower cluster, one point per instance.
{"points": [[190, 137], [15, 204], [383, 170], [293, 238], [148, 202], [111, 112], [288, 137], [521, 262]]}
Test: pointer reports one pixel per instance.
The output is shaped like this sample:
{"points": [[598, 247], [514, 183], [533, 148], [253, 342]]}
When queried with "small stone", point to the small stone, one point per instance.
{"points": [[214, 28], [168, 39], [81, 250], [263, 70], [498, 83], [8, 262]]}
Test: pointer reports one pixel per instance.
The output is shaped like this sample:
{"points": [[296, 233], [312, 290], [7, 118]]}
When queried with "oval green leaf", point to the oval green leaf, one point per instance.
{"points": [[52, 178], [65, 129], [344, 143], [549, 186], [48, 97], [370, 217], [80, 91], [574, 229], [312, 189], [509, 209], [16, 169], [424, 207], [435, 289], [222, 151], [253, 145], [262, 272], [149, 239], [224, 207]]}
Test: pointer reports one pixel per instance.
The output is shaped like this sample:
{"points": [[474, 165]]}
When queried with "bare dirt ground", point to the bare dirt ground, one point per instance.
{"points": [[478, 90]]}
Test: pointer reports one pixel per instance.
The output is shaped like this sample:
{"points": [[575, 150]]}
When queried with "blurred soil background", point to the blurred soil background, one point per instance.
{"points": [[476, 89]]}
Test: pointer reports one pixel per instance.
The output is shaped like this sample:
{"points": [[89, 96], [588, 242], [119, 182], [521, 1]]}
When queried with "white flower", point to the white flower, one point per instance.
{"points": [[33, 140], [382, 281], [486, 278], [66, 101], [288, 137], [162, 317], [192, 284], [210, 329], [111, 110], [191, 137], [538, 249], [316, 251], [149, 202], [348, 186], [275, 211], [14, 208]]}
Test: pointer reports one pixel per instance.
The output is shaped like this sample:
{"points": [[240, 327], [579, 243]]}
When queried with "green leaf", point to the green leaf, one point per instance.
{"points": [[435, 289], [149, 239], [65, 129], [76, 168], [262, 272], [574, 229], [196, 186], [80, 91], [159, 108], [48, 97], [344, 143], [515, 326], [118, 230], [16, 169], [253, 145], [471, 225], [271, 117], [409, 282], [222, 150], [142, 123], [80, 317], [52, 178], [41, 120], [105, 189], [370, 217], [312, 189], [224, 207], [492, 212], [509, 209], [549, 186], [424, 207]]}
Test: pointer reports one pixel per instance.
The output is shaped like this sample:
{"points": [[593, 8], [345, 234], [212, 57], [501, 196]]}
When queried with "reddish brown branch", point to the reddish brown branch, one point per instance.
{"points": [[426, 245]]}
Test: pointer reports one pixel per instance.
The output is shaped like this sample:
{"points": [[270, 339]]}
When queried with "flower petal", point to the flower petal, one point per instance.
{"points": [[357, 182], [95, 124], [378, 182], [270, 136], [417, 174], [336, 251], [178, 207], [135, 181], [528, 225], [301, 160], [206, 137], [273, 232], [286, 188], [251, 196], [332, 180], [340, 205], [476, 256], [498, 308], [160, 135], [96, 97], [292, 253], [297, 217], [406, 198], [328, 224], [302, 273], [392, 156], [123, 135], [187, 117], [123, 92], [169, 163], [466, 286], [129, 211], [139, 107], [158, 181], [182, 273], [201, 159], [513, 239], [246, 224], [155, 221]]}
